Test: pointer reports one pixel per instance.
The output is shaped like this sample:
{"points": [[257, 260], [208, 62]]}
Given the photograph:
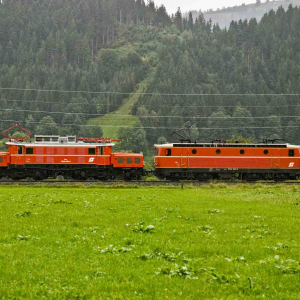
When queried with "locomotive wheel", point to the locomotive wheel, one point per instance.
{"points": [[17, 176], [39, 176], [128, 176], [252, 177], [203, 177]]}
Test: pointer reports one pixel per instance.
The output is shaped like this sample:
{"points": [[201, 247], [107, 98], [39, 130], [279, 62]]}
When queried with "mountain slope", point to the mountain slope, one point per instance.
{"points": [[122, 117], [243, 81]]}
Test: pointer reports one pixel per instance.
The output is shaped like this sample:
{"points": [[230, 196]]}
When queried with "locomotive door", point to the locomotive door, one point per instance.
{"points": [[185, 160], [20, 157], [275, 159]]}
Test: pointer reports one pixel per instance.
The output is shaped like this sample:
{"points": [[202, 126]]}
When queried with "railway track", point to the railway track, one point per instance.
{"points": [[137, 183]]}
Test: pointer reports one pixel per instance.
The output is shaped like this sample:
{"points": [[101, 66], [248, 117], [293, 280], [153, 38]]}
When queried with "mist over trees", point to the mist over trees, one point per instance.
{"points": [[224, 15]]}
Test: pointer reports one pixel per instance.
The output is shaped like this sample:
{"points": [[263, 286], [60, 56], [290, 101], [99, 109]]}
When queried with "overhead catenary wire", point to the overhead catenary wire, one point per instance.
{"points": [[157, 116], [168, 106], [143, 93], [140, 127], [113, 116]]}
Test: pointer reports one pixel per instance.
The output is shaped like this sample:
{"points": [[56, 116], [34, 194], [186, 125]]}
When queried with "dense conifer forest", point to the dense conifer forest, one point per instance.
{"points": [[256, 62], [63, 62]]}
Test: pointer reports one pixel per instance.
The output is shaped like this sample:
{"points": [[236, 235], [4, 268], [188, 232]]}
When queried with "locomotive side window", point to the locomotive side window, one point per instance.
{"points": [[129, 160], [242, 151], [218, 151], [168, 152], [92, 151], [194, 151], [266, 152], [100, 150], [292, 153], [20, 150], [137, 160], [1, 159], [71, 139], [29, 150], [120, 160]]}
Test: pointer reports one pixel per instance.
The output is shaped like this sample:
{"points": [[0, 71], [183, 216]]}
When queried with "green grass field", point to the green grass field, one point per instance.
{"points": [[214, 242]]}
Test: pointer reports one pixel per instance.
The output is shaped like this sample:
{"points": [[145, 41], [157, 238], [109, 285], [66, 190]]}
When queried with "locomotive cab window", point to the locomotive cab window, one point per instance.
{"points": [[129, 160], [20, 150], [120, 160], [168, 152], [100, 150], [29, 150], [1, 159], [92, 151], [292, 153]]}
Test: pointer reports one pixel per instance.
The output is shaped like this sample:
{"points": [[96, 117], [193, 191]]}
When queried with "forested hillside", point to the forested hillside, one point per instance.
{"points": [[242, 73], [69, 45], [64, 62]]}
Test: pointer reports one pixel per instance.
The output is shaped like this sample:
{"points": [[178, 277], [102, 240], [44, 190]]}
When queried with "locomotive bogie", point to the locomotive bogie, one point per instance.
{"points": [[76, 172]]}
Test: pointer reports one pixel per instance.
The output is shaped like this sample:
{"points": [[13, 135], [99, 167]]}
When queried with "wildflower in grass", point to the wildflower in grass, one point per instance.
{"points": [[177, 271], [141, 229], [24, 214], [23, 238], [215, 211], [112, 249]]}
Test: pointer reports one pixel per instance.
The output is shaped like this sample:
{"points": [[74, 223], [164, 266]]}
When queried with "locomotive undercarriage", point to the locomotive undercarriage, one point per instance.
{"points": [[76, 172], [227, 174], [83, 172]]}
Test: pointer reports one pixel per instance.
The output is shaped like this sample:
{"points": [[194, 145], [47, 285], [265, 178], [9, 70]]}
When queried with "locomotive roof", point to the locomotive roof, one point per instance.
{"points": [[224, 145], [127, 154], [62, 141], [52, 144]]}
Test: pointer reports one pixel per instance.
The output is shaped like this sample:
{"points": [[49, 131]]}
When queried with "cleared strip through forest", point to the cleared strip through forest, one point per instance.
{"points": [[112, 119]]}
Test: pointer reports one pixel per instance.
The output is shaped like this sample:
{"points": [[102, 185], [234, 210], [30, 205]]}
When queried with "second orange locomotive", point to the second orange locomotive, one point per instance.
{"points": [[205, 161]]}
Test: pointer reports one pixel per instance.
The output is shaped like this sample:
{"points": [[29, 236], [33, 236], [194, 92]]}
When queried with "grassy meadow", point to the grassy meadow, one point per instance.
{"points": [[213, 242]]}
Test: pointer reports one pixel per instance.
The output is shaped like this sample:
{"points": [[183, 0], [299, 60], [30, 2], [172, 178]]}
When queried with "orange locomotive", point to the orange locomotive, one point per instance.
{"points": [[205, 161], [51, 156]]}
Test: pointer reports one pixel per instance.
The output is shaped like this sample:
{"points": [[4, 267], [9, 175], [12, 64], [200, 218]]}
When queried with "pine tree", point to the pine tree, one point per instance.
{"points": [[190, 21], [178, 20]]}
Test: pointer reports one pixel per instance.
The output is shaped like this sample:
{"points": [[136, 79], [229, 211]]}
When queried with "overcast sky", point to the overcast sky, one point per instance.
{"points": [[187, 5]]}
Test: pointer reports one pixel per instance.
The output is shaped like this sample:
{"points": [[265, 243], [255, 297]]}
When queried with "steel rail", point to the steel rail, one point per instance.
{"points": [[141, 183]]}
